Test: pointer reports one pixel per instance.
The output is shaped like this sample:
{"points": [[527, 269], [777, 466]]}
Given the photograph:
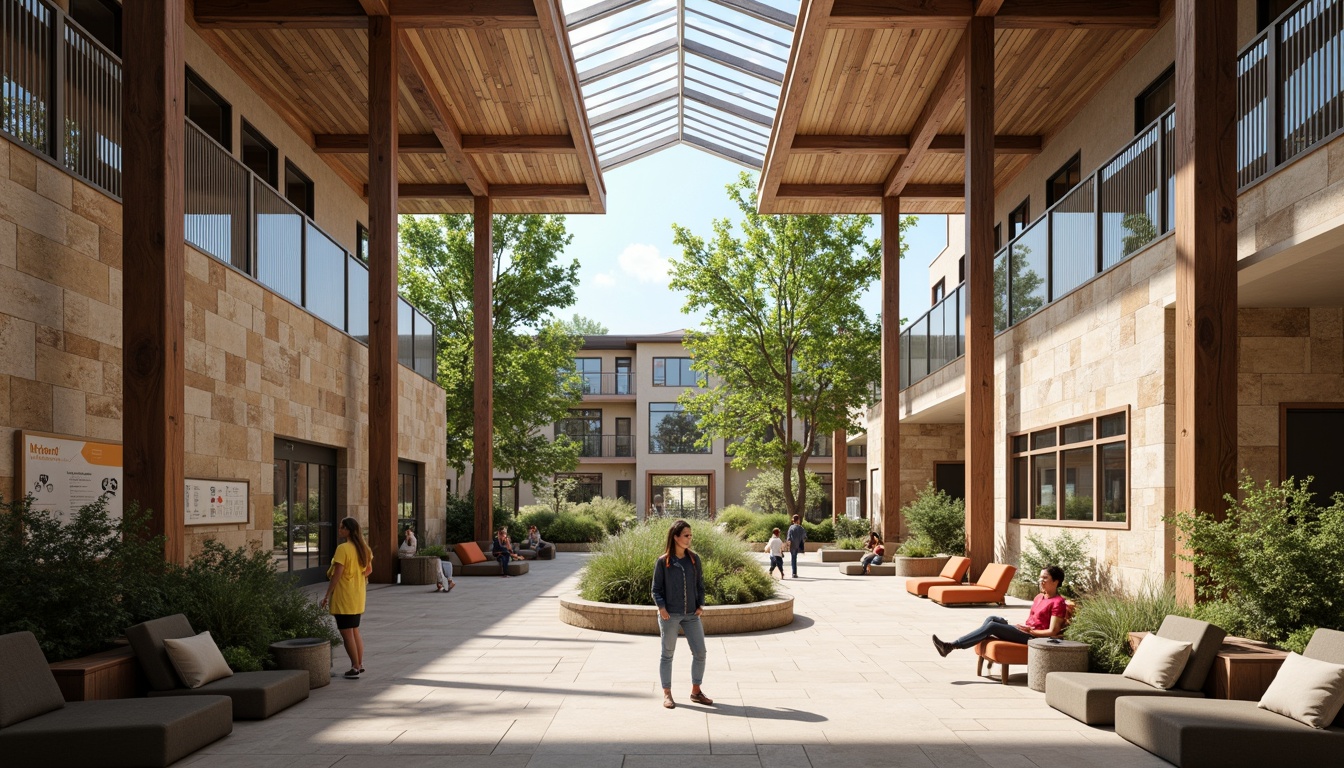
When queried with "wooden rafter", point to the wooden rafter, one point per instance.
{"points": [[900, 144], [418, 78], [497, 191], [428, 144], [1008, 14], [561, 56], [870, 191], [808, 37], [354, 14], [949, 89]]}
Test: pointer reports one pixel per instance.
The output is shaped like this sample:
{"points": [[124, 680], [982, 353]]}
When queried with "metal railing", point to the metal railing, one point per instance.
{"points": [[607, 382], [603, 446]]}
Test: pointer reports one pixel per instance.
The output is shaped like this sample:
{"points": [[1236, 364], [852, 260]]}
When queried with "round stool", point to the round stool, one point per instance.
{"points": [[1048, 654], [311, 654]]}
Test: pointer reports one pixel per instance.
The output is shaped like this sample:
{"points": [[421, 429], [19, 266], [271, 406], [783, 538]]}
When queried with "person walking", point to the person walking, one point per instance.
{"points": [[775, 547], [679, 593], [875, 551], [346, 590], [797, 542]]}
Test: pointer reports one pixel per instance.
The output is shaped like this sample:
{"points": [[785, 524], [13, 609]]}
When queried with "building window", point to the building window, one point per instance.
{"points": [[1310, 434], [259, 154], [961, 261], [675, 372], [679, 496], [998, 241], [100, 18], [1266, 11], [506, 493], [587, 486], [362, 242], [208, 111], [1075, 472], [822, 445], [590, 370], [939, 290], [1157, 98], [856, 451], [408, 499], [299, 189], [1017, 220], [584, 426], [1063, 180], [672, 430]]}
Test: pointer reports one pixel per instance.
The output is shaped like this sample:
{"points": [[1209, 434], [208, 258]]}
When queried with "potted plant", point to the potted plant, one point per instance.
{"points": [[937, 525]]}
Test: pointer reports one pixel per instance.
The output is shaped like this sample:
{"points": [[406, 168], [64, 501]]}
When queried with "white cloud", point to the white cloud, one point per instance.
{"points": [[604, 279], [644, 263]]}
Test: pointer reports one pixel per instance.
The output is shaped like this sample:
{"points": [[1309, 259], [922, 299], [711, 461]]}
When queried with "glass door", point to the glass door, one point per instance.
{"points": [[625, 444], [304, 510], [624, 380]]}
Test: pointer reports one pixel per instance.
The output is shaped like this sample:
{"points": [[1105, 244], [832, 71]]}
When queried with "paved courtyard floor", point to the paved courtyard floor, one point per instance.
{"points": [[488, 676]]}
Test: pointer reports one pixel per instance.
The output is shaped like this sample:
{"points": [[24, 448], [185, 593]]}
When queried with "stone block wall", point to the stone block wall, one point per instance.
{"points": [[257, 366]]}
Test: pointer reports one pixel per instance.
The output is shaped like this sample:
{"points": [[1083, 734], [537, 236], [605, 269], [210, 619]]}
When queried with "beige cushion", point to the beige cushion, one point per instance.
{"points": [[1159, 663], [1308, 690], [197, 660]]}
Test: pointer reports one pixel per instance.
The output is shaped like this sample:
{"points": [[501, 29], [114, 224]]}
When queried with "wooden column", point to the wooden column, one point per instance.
{"points": [[979, 309], [891, 370], [153, 255], [483, 358], [839, 473], [1206, 256], [383, 369]]}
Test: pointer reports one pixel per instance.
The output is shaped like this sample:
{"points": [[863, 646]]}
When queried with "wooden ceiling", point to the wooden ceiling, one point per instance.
{"points": [[489, 97], [873, 97]]}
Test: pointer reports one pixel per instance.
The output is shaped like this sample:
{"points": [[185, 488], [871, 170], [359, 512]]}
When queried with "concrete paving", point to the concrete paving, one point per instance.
{"points": [[488, 676]]}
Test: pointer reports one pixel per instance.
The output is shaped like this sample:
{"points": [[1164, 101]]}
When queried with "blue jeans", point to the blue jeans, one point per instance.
{"points": [[695, 637], [793, 560], [996, 627], [777, 562], [870, 559]]}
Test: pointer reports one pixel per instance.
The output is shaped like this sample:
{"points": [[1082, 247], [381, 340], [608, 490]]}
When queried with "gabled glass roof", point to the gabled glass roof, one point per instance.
{"points": [[657, 73]]}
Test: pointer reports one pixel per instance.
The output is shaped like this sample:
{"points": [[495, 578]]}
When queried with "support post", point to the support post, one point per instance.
{"points": [[383, 416], [483, 358], [1206, 269], [979, 51], [154, 252], [839, 473], [891, 369]]}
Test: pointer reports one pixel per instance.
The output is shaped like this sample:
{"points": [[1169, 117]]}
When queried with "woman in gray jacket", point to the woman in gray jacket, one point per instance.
{"points": [[679, 592]]}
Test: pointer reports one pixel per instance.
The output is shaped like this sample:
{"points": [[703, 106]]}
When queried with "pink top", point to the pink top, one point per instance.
{"points": [[1042, 608]]}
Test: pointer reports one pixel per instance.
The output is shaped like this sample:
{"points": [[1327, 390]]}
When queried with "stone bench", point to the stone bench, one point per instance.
{"points": [[841, 555], [856, 569]]}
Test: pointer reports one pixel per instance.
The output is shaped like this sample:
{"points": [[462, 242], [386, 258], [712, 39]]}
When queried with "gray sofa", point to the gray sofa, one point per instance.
{"points": [[490, 567], [1090, 697], [255, 695], [38, 728], [1199, 733]]}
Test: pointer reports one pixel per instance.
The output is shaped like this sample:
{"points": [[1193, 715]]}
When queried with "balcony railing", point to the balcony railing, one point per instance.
{"points": [[604, 446], [60, 96], [608, 383]]}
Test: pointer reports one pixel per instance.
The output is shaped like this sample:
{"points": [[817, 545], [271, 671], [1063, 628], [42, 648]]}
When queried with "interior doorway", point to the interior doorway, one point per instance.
{"points": [[303, 521]]}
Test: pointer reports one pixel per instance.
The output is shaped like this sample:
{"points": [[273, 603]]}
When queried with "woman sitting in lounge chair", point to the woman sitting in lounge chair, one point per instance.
{"points": [[1049, 613]]}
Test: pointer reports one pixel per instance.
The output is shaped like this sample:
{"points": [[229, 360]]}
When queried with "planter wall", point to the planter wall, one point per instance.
{"points": [[919, 566], [643, 619]]}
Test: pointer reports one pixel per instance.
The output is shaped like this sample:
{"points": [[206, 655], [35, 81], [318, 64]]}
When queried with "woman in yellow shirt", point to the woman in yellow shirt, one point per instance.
{"points": [[349, 573]]}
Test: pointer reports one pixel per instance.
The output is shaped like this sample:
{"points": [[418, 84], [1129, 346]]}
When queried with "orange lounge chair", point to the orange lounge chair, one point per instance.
{"points": [[951, 574], [990, 588]]}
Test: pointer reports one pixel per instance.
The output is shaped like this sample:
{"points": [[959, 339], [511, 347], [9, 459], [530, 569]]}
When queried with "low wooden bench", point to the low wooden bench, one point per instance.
{"points": [[107, 675], [1242, 671]]}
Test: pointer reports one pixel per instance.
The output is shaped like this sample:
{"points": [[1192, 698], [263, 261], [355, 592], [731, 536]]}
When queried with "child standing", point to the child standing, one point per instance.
{"points": [[775, 546]]}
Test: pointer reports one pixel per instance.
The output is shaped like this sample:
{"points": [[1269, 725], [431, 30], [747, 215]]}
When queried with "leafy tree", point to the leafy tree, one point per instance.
{"points": [[1026, 283], [1141, 231], [579, 325], [678, 433], [765, 494], [436, 273], [786, 344]]}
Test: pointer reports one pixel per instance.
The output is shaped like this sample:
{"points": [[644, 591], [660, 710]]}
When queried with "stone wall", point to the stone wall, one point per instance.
{"points": [[257, 367]]}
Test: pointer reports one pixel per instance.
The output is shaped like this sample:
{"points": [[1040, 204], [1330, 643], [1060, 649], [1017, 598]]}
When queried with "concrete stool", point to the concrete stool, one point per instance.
{"points": [[1046, 655], [311, 654], [420, 570]]}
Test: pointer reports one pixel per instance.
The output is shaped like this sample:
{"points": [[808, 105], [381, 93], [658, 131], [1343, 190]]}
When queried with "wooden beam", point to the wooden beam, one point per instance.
{"points": [[375, 7], [153, 257], [354, 14], [1007, 144], [890, 476], [1008, 14], [808, 37], [987, 7], [977, 52], [419, 78], [869, 191], [483, 361], [384, 426], [506, 191], [520, 145], [561, 58], [358, 143], [933, 192], [918, 14], [942, 98], [839, 472], [1206, 264], [428, 143], [900, 144]]}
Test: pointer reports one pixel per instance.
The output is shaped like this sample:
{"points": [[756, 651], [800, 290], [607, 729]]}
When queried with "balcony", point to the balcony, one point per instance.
{"points": [[608, 385], [608, 448]]}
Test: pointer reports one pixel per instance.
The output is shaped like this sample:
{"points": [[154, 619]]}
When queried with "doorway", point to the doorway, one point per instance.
{"points": [[950, 477], [303, 521], [1310, 448]]}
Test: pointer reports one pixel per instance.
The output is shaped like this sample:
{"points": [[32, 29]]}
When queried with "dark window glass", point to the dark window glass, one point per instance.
{"points": [[1077, 433], [259, 154], [998, 239], [299, 189], [1267, 11], [675, 372], [588, 486], [590, 368], [1043, 486], [1155, 99], [1065, 179], [1020, 444], [939, 291], [1021, 488], [1311, 449], [506, 492], [1017, 220], [961, 262], [1077, 476], [1111, 426], [672, 430], [625, 376], [408, 500], [1073, 478], [584, 426], [209, 111], [100, 18], [1112, 462], [1043, 439], [362, 242]]}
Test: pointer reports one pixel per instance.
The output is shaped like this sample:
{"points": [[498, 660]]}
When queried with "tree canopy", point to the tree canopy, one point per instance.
{"points": [[531, 282], [788, 349], [579, 325]]}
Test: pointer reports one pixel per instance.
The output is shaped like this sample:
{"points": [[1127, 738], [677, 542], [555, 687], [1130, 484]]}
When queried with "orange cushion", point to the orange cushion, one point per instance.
{"points": [[1002, 651], [956, 568], [921, 585], [957, 595], [469, 552]]}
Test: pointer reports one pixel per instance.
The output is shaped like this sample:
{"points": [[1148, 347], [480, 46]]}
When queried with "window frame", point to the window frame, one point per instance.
{"points": [[661, 362], [361, 242], [1158, 82], [1056, 451], [1074, 164], [587, 417], [311, 209], [583, 373], [679, 409], [939, 290], [497, 487], [583, 480], [1022, 214], [246, 130], [226, 107]]}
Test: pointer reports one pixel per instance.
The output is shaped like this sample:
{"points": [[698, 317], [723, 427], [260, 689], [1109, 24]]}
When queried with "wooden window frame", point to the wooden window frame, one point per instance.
{"points": [[1058, 448]]}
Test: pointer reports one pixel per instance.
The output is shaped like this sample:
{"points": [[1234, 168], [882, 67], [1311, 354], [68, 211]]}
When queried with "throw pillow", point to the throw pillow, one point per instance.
{"points": [[469, 552], [197, 659], [454, 559], [1310, 691], [1158, 661]]}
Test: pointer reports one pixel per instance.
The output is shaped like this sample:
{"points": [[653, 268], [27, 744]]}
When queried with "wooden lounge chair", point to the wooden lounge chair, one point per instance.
{"points": [[38, 727], [1217, 733], [953, 572], [991, 587]]}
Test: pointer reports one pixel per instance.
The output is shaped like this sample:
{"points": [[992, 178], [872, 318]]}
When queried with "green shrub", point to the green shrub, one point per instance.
{"points": [[1298, 639], [571, 528], [613, 514], [1064, 549], [734, 518], [434, 550], [1229, 617], [241, 659], [821, 532], [938, 519], [850, 543], [765, 494], [1277, 555], [852, 528], [622, 570], [1104, 621], [761, 527], [460, 521], [916, 547]]}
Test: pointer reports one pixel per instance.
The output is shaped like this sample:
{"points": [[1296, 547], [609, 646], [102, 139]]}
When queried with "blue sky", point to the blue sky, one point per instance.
{"points": [[623, 255]]}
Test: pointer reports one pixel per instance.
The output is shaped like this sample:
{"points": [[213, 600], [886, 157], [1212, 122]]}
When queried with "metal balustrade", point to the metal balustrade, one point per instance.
{"points": [[602, 446], [606, 382]]}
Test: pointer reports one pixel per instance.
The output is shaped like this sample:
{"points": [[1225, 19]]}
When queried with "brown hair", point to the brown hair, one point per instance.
{"points": [[796, 518], [672, 533], [351, 526]]}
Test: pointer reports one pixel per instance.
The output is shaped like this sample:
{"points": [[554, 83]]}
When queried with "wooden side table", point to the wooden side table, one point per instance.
{"points": [[1242, 670], [1048, 654]]}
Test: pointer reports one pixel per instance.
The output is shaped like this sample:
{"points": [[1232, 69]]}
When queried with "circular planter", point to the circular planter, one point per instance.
{"points": [[311, 654], [643, 619], [919, 566], [841, 555]]}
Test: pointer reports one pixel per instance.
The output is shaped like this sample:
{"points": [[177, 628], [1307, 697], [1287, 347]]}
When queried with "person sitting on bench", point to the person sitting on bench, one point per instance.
{"points": [[875, 552], [535, 543], [1049, 612], [503, 550]]}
